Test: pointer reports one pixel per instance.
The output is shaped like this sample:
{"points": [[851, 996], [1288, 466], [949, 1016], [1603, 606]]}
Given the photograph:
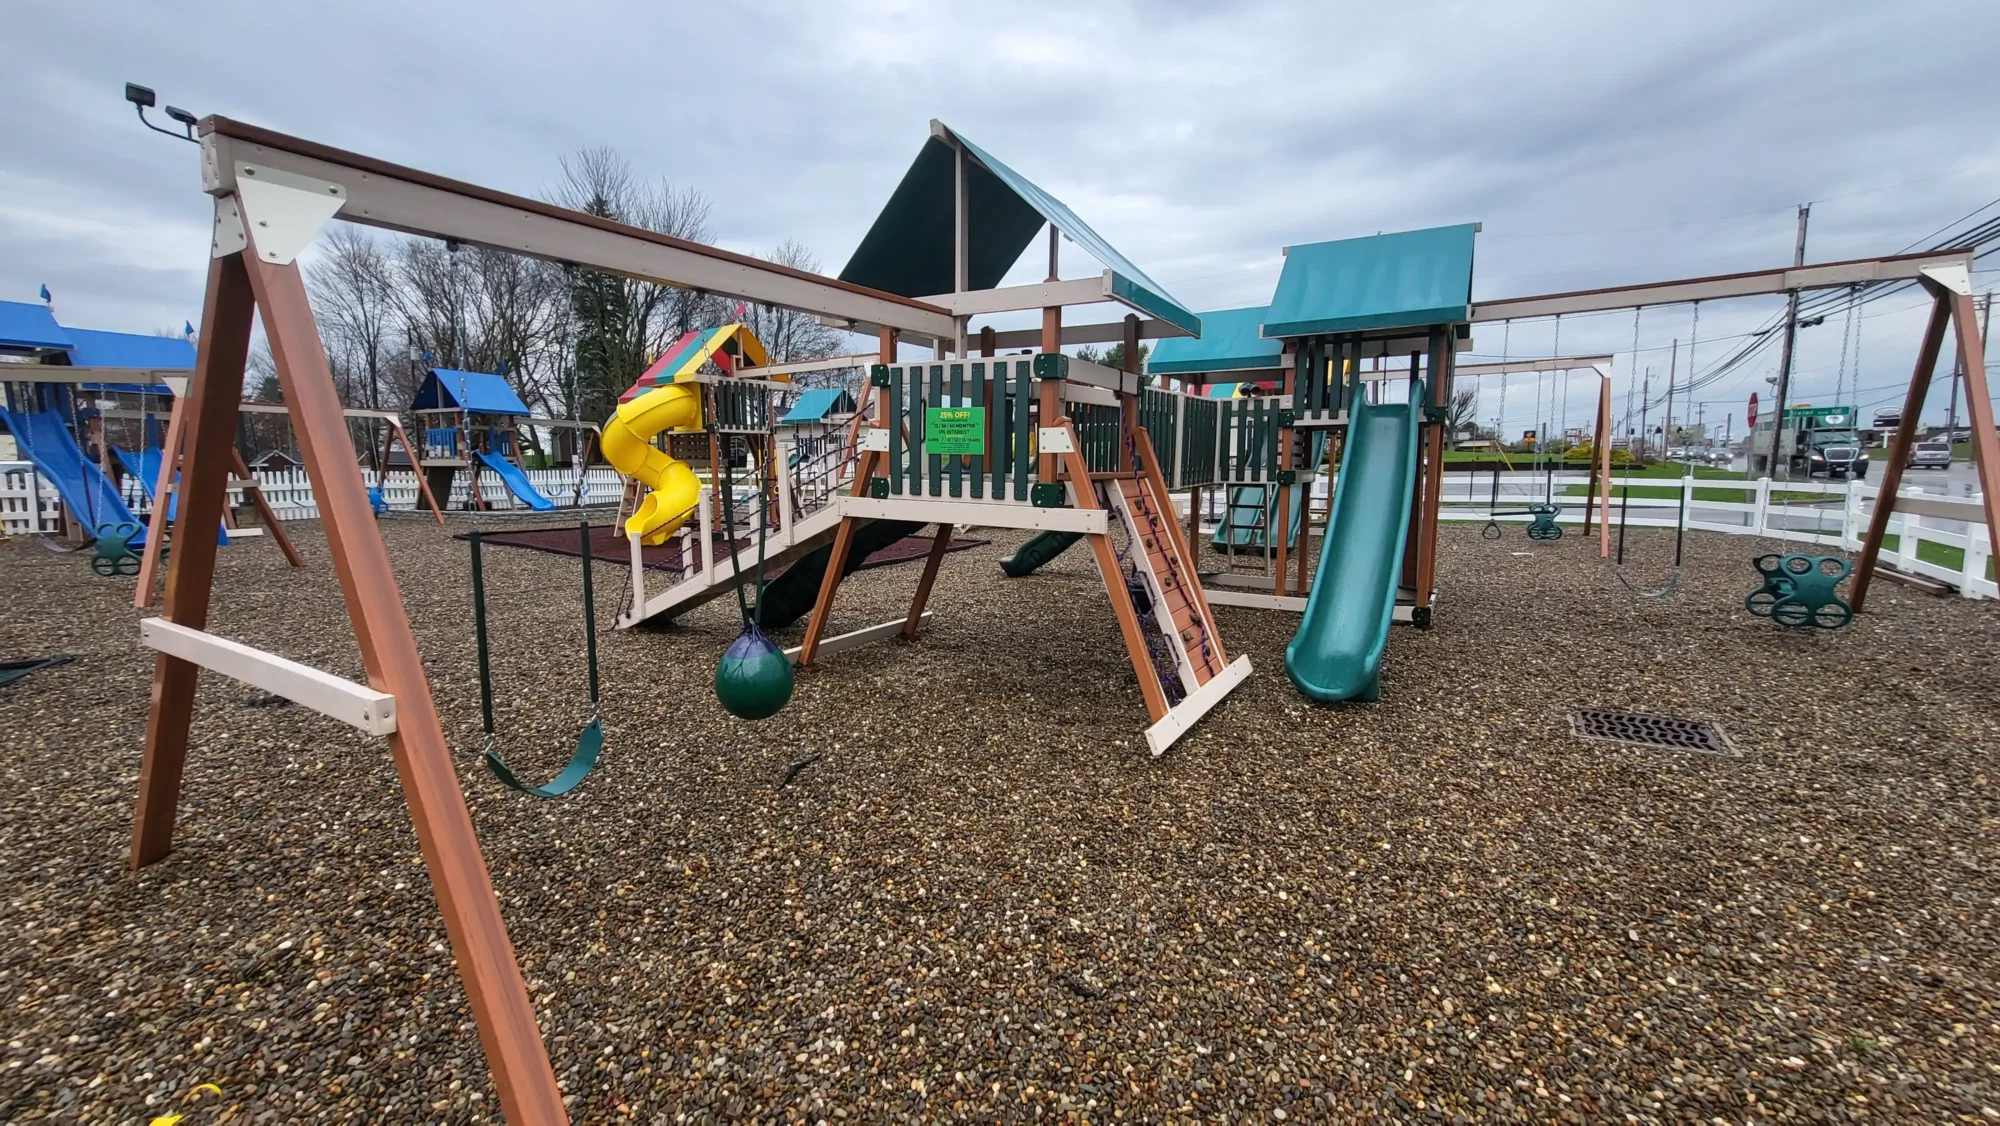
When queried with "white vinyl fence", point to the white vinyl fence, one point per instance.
{"points": [[1789, 515], [30, 505]]}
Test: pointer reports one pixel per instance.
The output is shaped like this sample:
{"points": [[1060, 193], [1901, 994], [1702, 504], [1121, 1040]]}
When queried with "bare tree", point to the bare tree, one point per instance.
{"points": [[788, 334], [355, 289], [618, 323]]}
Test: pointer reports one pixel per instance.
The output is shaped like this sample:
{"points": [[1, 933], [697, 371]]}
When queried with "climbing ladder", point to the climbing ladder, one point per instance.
{"points": [[1176, 601], [1201, 672]]}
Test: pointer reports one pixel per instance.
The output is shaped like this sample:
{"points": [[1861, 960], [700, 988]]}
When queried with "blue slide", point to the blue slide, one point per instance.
{"points": [[516, 482], [1337, 653], [146, 467], [92, 499]]}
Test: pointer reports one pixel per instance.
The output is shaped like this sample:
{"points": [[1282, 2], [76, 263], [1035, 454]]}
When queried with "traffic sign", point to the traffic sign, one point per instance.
{"points": [[1752, 420]]}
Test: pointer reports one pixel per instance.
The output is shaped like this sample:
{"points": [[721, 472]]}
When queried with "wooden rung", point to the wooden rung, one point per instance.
{"points": [[858, 637], [353, 704]]}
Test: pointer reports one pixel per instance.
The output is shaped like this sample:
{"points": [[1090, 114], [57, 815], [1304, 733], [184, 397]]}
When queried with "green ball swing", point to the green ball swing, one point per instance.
{"points": [[754, 678]]}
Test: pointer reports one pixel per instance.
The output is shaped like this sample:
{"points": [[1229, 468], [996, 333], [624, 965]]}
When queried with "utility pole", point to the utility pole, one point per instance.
{"points": [[1645, 400], [1667, 427], [1785, 357]]}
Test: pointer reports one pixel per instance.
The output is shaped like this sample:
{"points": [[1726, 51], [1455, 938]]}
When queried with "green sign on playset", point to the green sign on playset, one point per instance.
{"points": [[955, 430]]}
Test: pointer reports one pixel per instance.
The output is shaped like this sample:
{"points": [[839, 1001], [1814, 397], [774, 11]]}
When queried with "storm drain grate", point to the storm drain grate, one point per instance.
{"points": [[1661, 731]]}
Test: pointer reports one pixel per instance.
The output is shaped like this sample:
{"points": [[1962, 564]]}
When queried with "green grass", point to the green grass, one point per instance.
{"points": [[1673, 471], [1940, 554]]}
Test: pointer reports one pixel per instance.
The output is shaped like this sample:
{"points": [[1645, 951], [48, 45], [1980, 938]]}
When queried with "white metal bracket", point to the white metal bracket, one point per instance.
{"points": [[284, 209], [229, 238], [1055, 440], [875, 438], [1952, 276]]}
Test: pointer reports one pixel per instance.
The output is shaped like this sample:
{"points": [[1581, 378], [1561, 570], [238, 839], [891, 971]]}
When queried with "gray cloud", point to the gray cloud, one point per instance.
{"points": [[1599, 143]]}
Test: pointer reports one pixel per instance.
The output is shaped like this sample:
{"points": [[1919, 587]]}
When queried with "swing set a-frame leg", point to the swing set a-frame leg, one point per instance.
{"points": [[499, 999]]}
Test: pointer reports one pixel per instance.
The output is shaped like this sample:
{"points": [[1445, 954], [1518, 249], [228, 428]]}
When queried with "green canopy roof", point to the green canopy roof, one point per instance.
{"points": [[1401, 280], [909, 249], [1231, 340]]}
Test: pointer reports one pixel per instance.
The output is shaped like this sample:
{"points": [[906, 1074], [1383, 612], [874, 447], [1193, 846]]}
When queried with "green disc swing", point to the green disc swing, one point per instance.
{"points": [[590, 743], [754, 679]]}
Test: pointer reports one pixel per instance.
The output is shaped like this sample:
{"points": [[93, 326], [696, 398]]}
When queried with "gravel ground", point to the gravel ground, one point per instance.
{"points": [[983, 900]]}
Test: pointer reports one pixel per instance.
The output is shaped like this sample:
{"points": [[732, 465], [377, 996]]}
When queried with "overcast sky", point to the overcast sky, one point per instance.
{"points": [[1599, 143]]}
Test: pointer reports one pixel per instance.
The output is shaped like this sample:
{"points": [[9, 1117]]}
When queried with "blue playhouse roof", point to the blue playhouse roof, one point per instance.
{"points": [[1231, 340], [1400, 280], [814, 405], [24, 325], [475, 391], [94, 349]]}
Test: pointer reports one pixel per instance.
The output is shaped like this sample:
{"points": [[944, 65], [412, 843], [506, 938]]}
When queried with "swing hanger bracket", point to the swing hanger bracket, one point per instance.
{"points": [[284, 210]]}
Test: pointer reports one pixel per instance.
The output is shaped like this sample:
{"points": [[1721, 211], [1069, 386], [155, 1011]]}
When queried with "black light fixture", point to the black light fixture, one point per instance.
{"points": [[143, 99]]}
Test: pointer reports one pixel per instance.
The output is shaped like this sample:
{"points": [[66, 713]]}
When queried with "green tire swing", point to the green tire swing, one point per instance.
{"points": [[754, 679], [590, 743]]}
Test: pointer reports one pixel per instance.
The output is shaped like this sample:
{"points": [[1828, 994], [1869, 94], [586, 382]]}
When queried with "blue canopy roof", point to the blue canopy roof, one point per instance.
{"points": [[909, 249], [475, 391], [1401, 280], [28, 326], [815, 404], [1231, 340], [94, 349]]}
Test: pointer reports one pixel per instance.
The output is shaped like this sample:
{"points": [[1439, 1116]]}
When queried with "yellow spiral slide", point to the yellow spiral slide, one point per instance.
{"points": [[628, 446]]}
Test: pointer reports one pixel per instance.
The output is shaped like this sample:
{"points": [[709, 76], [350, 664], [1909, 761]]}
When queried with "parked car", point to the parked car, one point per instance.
{"points": [[1722, 457], [1930, 454]]}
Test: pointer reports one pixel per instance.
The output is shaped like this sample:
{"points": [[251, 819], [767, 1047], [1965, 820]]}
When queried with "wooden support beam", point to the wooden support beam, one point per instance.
{"points": [[417, 470], [1979, 412], [1442, 356], [843, 537], [940, 544], [209, 417], [355, 705], [1279, 531], [499, 998], [264, 512], [854, 639], [1899, 449], [156, 520]]}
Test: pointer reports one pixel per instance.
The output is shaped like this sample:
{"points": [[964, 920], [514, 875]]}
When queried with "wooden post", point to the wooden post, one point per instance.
{"points": [[156, 520], [843, 536], [416, 469], [1441, 363], [1899, 449], [1282, 531], [1049, 405], [499, 998], [939, 546], [210, 414], [1979, 412], [264, 513], [1413, 546]]}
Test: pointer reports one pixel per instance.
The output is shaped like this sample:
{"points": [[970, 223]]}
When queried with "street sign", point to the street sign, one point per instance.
{"points": [[1752, 420]]}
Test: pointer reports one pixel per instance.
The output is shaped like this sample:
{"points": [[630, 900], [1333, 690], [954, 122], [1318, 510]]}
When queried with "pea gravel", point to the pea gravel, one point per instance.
{"points": [[980, 899]]}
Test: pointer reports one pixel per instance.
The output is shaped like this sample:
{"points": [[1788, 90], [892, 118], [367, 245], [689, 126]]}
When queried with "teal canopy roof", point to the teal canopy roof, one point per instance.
{"points": [[475, 391], [1231, 340], [1401, 280], [815, 404], [909, 249]]}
